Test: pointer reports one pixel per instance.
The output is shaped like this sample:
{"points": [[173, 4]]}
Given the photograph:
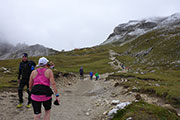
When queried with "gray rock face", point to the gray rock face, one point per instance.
{"points": [[128, 31], [143, 53], [147, 25], [8, 51]]}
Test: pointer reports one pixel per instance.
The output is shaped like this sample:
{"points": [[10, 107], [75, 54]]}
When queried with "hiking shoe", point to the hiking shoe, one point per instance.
{"points": [[28, 105], [19, 105]]}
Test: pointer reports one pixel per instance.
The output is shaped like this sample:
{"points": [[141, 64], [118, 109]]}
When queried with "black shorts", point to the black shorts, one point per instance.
{"points": [[37, 105]]}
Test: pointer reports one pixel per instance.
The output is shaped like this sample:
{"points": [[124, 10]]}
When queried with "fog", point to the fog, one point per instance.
{"points": [[69, 24]]}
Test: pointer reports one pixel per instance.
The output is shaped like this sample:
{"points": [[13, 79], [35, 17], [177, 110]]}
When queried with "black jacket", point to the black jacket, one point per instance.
{"points": [[25, 69]]}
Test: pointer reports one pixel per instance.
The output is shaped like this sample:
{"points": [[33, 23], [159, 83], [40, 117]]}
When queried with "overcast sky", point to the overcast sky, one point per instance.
{"points": [[68, 24]]}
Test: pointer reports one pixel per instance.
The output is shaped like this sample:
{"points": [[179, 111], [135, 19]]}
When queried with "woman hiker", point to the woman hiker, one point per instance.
{"points": [[39, 85]]}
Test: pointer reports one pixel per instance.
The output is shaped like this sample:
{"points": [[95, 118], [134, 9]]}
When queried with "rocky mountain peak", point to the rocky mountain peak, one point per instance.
{"points": [[134, 28]]}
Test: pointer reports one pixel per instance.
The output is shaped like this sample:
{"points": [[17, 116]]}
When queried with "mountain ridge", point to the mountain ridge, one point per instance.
{"points": [[9, 51], [134, 28]]}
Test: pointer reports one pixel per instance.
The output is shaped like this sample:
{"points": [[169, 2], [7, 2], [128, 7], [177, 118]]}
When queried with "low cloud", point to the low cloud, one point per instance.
{"points": [[72, 23]]}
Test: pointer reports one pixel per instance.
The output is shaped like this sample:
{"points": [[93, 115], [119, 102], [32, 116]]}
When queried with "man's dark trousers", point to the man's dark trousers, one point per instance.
{"points": [[20, 90]]}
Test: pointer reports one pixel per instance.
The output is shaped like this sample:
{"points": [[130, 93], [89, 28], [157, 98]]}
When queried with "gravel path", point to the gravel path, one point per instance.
{"points": [[85, 100]]}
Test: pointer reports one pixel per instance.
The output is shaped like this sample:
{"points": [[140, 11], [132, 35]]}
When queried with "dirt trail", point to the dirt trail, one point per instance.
{"points": [[116, 64], [85, 100], [74, 102]]}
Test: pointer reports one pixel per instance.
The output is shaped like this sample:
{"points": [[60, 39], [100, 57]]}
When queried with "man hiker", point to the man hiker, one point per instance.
{"points": [[25, 69], [97, 75], [81, 73]]}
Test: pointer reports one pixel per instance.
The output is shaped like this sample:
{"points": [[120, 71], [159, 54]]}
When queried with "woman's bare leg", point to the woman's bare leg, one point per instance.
{"points": [[47, 115], [37, 116]]}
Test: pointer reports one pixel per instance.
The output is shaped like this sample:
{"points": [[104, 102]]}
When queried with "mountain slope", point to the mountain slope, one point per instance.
{"points": [[8, 51], [151, 52], [153, 60]]}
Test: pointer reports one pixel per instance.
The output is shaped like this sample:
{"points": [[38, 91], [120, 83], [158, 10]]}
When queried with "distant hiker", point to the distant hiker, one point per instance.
{"points": [[41, 93], [127, 68], [123, 67], [81, 73], [51, 65], [91, 75], [97, 75], [25, 69]]}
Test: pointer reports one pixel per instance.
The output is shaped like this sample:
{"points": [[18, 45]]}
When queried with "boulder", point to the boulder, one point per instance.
{"points": [[118, 107], [138, 97], [116, 84], [115, 102]]}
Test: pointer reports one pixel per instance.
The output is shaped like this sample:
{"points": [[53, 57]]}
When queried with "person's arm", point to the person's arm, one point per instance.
{"points": [[31, 81], [20, 72], [53, 83]]}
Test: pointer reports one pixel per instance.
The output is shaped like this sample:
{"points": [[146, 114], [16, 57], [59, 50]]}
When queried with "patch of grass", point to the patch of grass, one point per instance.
{"points": [[127, 60], [5, 81], [144, 111]]}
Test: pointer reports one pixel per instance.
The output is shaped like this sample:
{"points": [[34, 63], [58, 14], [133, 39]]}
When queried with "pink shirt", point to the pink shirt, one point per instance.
{"points": [[41, 79]]}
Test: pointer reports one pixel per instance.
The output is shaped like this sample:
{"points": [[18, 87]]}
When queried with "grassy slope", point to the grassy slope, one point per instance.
{"points": [[92, 59], [5, 78], [165, 51], [144, 111]]}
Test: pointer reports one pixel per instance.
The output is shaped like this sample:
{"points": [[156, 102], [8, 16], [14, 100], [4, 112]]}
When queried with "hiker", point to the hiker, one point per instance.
{"points": [[51, 65], [25, 69], [41, 93], [97, 75], [91, 75], [127, 68], [123, 67], [81, 73]]}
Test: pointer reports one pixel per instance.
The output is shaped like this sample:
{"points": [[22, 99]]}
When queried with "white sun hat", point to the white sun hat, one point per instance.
{"points": [[42, 61]]}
